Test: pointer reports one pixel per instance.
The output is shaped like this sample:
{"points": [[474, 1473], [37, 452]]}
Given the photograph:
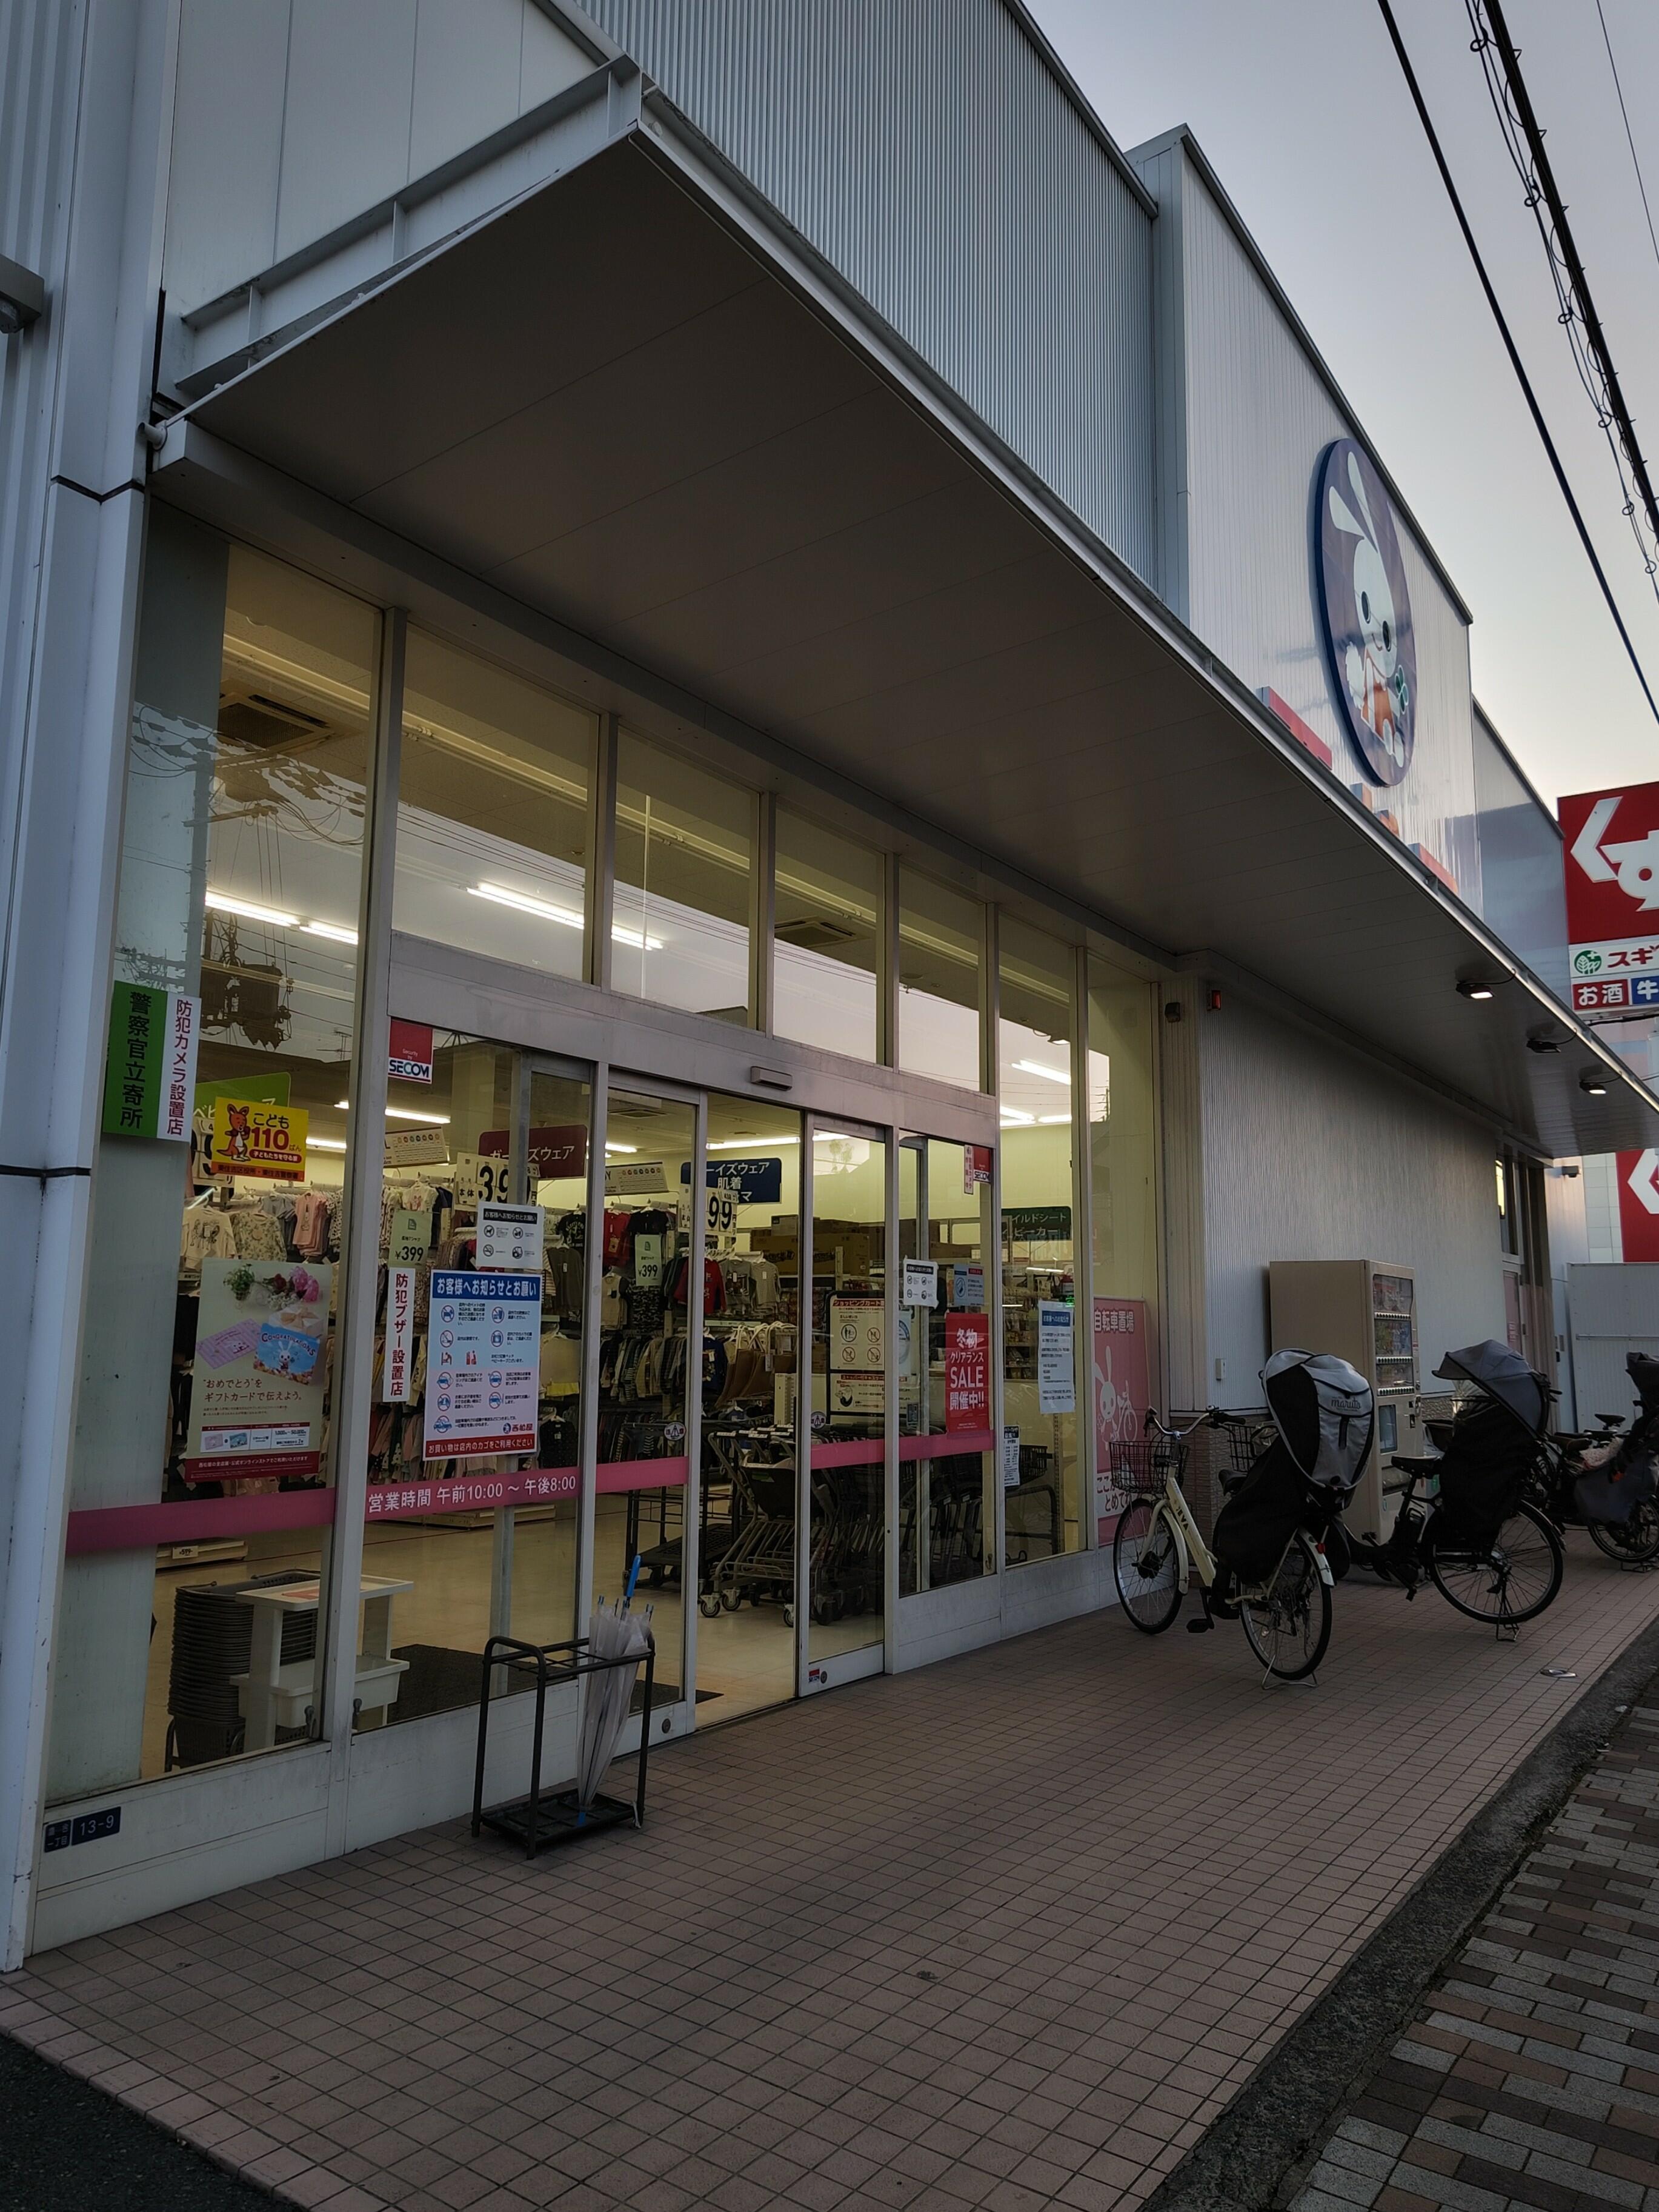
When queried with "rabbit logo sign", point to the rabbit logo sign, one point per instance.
{"points": [[1368, 612]]}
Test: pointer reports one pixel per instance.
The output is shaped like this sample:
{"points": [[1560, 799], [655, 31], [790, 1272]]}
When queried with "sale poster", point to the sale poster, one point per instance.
{"points": [[1122, 1393], [967, 1372], [261, 1370], [483, 1347]]}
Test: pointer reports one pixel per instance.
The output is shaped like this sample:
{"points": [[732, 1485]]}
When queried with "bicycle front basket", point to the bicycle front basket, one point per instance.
{"points": [[1139, 1465]]}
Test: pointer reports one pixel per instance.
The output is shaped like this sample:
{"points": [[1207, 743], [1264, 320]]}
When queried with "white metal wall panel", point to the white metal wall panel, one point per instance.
{"points": [[1523, 896], [292, 117], [1611, 1311], [1312, 1153], [929, 153], [1259, 418]]}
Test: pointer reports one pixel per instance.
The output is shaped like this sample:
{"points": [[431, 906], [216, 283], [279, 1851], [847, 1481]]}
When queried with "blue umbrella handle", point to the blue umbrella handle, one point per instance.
{"points": [[633, 1576]]}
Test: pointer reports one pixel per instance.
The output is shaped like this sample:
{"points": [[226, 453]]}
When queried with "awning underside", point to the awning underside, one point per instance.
{"points": [[607, 404]]}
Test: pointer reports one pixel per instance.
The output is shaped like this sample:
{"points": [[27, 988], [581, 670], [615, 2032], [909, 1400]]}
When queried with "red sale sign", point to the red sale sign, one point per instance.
{"points": [[1123, 1392], [1638, 1204], [1611, 856], [967, 1371]]}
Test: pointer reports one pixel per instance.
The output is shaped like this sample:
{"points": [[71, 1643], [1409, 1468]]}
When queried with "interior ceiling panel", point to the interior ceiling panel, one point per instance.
{"points": [[607, 403]]}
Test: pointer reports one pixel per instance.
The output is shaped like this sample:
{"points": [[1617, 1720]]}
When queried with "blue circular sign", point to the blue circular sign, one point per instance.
{"points": [[1367, 609]]}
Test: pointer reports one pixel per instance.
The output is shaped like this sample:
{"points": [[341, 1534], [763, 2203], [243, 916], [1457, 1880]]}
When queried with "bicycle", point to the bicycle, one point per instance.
{"points": [[1158, 1547], [1503, 1580]]}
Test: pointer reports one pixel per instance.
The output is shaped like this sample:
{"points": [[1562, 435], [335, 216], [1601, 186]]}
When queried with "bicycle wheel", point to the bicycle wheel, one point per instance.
{"points": [[1289, 1624], [1631, 1542], [1506, 1582], [1146, 1561]]}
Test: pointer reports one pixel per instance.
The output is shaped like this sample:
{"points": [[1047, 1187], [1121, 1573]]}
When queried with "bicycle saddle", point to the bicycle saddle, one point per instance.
{"points": [[1420, 1466]]}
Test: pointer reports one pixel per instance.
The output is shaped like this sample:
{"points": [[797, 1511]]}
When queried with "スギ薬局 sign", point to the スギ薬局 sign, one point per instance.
{"points": [[1612, 861]]}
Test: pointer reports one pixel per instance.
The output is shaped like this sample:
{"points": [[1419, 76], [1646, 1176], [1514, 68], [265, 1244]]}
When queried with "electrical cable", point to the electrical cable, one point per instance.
{"points": [[1509, 347], [1641, 182], [1524, 141]]}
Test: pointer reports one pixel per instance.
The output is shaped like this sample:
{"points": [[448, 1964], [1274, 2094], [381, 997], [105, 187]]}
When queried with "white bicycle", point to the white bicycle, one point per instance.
{"points": [[1158, 1548]]}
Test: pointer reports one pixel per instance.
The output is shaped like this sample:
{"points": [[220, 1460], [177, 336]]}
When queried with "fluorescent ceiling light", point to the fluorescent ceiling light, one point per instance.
{"points": [[526, 904], [746, 1144], [564, 916], [1052, 1074], [1051, 1121], [325, 1145], [620, 1148], [402, 1114], [222, 903], [1014, 1117], [334, 930]]}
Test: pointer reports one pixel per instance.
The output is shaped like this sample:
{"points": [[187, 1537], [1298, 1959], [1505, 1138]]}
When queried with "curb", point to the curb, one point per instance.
{"points": [[1271, 2131]]}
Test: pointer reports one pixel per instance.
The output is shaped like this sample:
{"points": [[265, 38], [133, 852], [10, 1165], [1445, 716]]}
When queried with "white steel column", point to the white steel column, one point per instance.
{"points": [[360, 1250], [88, 118]]}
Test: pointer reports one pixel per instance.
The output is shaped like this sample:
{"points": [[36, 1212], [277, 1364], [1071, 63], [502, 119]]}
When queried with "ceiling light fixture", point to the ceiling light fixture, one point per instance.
{"points": [[1050, 1074], [1470, 990], [1015, 1117], [498, 894], [1592, 1086], [222, 902], [610, 1147], [1543, 1045], [402, 1114], [1053, 1121], [746, 1144], [335, 931]]}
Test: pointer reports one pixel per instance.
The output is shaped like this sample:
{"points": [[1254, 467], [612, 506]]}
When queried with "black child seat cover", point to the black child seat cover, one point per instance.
{"points": [[1628, 1478], [1325, 1413], [1492, 1443]]}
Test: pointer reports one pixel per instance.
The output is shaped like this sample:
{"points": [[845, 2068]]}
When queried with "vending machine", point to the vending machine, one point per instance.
{"points": [[1365, 1311]]}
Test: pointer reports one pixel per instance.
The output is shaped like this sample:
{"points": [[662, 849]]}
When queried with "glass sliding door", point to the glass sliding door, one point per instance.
{"points": [[749, 1193], [846, 1463], [647, 1320]]}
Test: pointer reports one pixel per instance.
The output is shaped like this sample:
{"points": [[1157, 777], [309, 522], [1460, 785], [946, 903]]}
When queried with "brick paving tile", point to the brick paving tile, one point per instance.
{"points": [[1553, 2103], [834, 1971]]}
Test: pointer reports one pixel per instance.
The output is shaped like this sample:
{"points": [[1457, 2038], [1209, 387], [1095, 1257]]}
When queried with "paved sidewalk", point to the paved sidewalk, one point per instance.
{"points": [[1530, 2078], [1006, 1932]]}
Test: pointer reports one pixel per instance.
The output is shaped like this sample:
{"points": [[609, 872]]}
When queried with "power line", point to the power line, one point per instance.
{"points": [[1641, 183], [1515, 362], [1523, 138]]}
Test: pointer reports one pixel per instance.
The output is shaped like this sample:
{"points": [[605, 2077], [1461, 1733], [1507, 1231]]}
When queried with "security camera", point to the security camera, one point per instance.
{"points": [[22, 297]]}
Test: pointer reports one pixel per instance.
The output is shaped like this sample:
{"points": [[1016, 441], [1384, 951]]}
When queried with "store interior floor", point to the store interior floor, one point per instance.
{"points": [[745, 1659]]}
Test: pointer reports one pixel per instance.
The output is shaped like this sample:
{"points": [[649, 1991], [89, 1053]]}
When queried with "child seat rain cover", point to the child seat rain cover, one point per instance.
{"points": [[1643, 1371], [1491, 1444], [1627, 1478], [1324, 1413]]}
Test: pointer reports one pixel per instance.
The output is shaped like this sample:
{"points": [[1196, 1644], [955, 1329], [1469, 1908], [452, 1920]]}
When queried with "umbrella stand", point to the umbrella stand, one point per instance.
{"points": [[543, 1819]]}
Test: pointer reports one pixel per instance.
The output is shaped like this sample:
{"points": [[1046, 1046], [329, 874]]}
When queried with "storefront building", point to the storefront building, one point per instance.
{"points": [[580, 683]]}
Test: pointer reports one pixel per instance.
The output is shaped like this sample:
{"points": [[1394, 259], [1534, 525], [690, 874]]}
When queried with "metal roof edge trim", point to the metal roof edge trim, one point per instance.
{"points": [[1181, 135]]}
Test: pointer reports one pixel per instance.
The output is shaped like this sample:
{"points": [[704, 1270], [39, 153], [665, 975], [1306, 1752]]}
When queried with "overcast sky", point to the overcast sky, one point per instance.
{"points": [[1302, 109]]}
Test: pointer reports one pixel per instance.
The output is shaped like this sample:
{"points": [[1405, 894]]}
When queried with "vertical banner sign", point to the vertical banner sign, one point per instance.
{"points": [[976, 1167], [1056, 1365], [408, 1052], [483, 1360], [150, 1077], [1610, 853], [1638, 1204], [967, 1372], [1122, 1393], [399, 1361]]}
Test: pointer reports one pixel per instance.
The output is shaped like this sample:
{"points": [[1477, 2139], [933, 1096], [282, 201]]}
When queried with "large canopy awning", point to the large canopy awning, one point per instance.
{"points": [[630, 399]]}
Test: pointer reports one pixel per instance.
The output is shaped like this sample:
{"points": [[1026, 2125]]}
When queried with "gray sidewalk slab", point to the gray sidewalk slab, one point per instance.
{"points": [[1009, 1932]]}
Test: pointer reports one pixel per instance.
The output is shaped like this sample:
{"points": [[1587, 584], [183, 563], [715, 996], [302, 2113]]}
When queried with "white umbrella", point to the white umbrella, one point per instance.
{"points": [[615, 1632]]}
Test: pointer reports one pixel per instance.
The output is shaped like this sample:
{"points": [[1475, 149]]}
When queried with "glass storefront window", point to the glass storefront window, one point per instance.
{"points": [[848, 1460], [685, 844], [1123, 1219], [941, 959], [207, 1392], [828, 900], [947, 1504], [1041, 1354], [494, 831], [470, 1541]]}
